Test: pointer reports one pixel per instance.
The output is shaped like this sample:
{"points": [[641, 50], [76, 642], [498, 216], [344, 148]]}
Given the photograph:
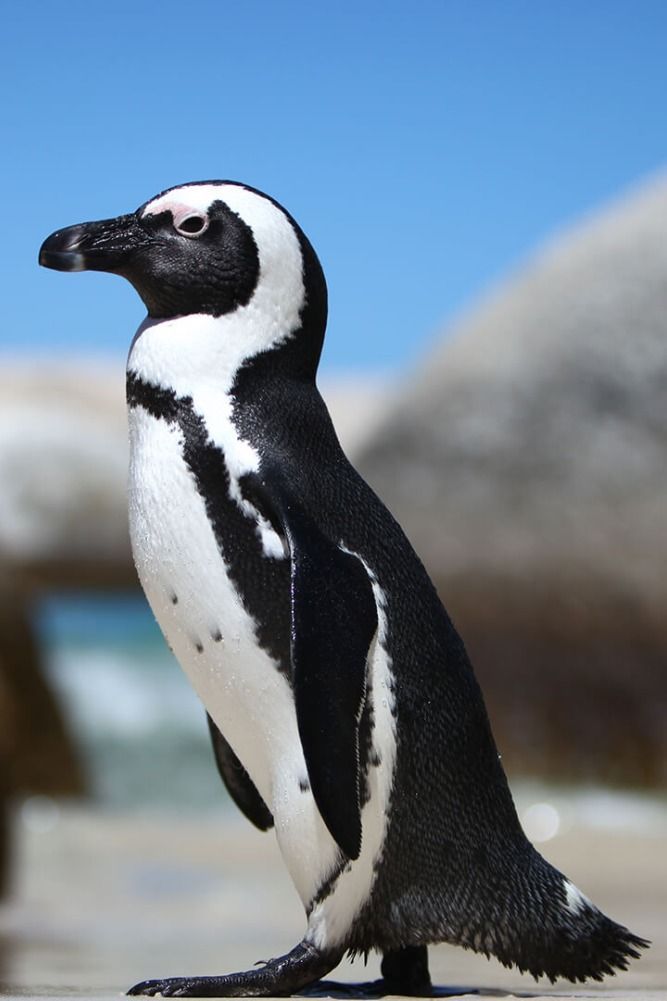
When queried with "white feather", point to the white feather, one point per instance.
{"points": [[576, 900]]}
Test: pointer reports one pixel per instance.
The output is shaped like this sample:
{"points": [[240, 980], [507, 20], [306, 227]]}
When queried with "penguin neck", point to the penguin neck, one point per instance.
{"points": [[267, 400], [201, 353]]}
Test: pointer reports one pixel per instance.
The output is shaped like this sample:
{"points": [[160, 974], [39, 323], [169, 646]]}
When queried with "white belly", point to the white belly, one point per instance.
{"points": [[211, 634], [213, 638]]}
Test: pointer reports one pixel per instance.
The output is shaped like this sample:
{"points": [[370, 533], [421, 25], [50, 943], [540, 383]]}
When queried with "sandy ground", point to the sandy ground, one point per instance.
{"points": [[101, 901]]}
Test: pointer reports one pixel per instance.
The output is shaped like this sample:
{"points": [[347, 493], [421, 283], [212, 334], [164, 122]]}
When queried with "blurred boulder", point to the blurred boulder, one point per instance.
{"points": [[62, 526], [63, 468], [36, 755], [358, 406], [527, 460]]}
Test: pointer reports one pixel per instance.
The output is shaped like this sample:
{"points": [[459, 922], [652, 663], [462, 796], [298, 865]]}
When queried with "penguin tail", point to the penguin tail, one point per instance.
{"points": [[551, 929], [501, 899], [586, 946]]}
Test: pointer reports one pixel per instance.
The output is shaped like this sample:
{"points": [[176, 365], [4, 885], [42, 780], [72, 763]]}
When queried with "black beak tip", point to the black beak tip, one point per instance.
{"points": [[60, 251], [61, 260]]}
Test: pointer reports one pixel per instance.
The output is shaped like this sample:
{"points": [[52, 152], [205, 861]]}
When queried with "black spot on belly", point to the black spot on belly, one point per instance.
{"points": [[263, 583], [174, 599], [216, 636], [199, 647], [304, 785]]}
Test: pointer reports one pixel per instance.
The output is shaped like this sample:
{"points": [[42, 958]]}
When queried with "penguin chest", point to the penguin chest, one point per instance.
{"points": [[196, 591]]}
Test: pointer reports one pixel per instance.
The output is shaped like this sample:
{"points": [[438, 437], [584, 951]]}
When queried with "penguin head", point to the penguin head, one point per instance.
{"points": [[213, 249]]}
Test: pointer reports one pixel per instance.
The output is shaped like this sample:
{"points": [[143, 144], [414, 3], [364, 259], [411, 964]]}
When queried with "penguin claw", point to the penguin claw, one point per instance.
{"points": [[180, 987], [174, 987], [151, 988]]}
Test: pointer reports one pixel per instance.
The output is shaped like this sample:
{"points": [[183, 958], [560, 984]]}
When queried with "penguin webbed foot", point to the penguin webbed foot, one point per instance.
{"points": [[404, 972], [278, 977]]}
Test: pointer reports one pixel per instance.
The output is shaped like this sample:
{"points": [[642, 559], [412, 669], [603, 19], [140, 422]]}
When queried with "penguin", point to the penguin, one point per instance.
{"points": [[343, 709]]}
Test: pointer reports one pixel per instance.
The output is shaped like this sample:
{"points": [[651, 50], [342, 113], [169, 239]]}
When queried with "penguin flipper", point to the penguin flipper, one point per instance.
{"points": [[334, 621], [239, 784]]}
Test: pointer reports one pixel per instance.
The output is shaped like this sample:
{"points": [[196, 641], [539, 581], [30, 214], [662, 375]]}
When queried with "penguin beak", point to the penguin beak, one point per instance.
{"points": [[93, 246]]}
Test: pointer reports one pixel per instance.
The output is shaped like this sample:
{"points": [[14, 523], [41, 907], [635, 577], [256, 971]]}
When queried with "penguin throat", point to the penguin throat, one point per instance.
{"points": [[184, 352]]}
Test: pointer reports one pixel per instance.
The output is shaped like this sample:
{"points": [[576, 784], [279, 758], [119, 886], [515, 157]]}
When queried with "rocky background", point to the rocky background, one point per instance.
{"points": [[526, 458]]}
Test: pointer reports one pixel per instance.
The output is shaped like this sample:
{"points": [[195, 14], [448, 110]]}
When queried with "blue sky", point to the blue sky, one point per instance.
{"points": [[425, 147]]}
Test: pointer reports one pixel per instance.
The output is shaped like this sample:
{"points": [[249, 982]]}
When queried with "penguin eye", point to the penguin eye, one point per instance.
{"points": [[191, 225]]}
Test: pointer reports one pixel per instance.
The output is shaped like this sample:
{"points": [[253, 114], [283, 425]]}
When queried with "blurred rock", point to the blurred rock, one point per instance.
{"points": [[527, 460], [358, 404], [36, 752], [63, 467], [36, 755]]}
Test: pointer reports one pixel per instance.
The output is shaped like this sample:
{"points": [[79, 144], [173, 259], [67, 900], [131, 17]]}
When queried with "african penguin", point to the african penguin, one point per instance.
{"points": [[342, 706]]}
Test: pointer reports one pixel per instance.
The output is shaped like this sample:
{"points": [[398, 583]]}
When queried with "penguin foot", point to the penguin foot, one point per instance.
{"points": [[405, 971], [277, 978]]}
